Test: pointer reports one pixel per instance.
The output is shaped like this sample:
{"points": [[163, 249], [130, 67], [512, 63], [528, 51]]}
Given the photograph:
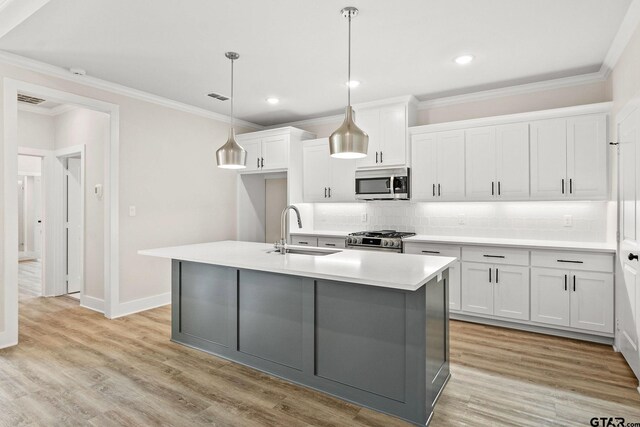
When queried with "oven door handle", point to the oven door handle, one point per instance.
{"points": [[392, 180]]}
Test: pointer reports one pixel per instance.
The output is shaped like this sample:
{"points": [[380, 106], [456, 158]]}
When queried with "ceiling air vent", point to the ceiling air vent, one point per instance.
{"points": [[30, 99], [218, 96]]}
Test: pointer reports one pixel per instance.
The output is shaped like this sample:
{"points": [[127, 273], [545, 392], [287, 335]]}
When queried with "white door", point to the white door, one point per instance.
{"points": [[628, 295], [369, 122], [477, 288], [454, 286], [480, 154], [393, 141], [424, 161], [550, 296], [315, 169], [342, 179], [73, 226], [450, 159], [21, 213], [511, 292], [587, 148], [254, 154], [275, 153], [549, 159], [38, 232], [592, 301], [512, 161]]}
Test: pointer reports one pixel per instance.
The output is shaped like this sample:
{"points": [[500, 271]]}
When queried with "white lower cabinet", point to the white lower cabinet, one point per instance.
{"points": [[494, 289], [577, 299]]}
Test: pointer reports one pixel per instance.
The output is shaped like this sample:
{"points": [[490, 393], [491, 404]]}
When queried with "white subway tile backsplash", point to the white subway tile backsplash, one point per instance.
{"points": [[525, 220]]}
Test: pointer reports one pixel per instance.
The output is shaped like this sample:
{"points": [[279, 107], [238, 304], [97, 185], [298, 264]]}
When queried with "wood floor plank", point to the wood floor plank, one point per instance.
{"points": [[75, 367]]}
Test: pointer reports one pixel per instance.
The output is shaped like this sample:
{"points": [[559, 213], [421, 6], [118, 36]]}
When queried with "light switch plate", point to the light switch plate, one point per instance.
{"points": [[568, 221], [132, 211]]}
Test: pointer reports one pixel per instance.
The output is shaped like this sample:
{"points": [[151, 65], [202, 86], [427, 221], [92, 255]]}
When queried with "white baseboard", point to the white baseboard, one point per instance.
{"points": [[92, 303], [142, 304], [6, 340]]}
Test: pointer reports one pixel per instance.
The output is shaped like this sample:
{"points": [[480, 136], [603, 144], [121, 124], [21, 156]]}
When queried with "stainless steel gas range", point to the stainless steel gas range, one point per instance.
{"points": [[382, 240]]}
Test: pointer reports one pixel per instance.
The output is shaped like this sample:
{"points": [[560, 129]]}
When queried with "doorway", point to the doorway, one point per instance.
{"points": [[73, 225]]}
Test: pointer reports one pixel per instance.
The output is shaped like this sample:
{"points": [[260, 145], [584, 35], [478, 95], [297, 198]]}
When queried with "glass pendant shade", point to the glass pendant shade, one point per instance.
{"points": [[231, 155], [349, 141]]}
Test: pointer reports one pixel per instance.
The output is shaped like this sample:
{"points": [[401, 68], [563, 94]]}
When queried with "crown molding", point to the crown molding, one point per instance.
{"points": [[15, 12], [629, 25], [563, 82], [599, 108], [61, 73]]}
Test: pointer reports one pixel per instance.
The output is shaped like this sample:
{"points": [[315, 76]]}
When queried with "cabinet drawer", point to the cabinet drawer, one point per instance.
{"points": [[331, 242], [573, 260], [495, 255], [303, 240], [432, 249]]}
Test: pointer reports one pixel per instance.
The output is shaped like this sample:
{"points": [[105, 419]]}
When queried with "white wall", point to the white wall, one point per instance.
{"points": [[167, 169], [81, 126], [29, 165], [35, 130]]}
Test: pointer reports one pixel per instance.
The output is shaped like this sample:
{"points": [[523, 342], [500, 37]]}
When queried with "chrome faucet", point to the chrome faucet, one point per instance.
{"points": [[282, 243]]}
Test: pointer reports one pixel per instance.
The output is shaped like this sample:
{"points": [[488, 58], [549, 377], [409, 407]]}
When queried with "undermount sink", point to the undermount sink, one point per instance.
{"points": [[306, 251]]}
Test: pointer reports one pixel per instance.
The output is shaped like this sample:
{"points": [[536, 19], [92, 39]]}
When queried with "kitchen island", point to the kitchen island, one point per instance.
{"points": [[368, 327]]}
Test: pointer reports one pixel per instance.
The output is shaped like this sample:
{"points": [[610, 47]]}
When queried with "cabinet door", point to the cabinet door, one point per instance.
{"points": [[550, 296], [393, 141], [423, 171], [511, 292], [477, 290], [450, 165], [315, 166], [454, 286], [480, 155], [275, 152], [549, 159], [587, 156], [592, 301], [253, 154], [512, 158], [342, 180], [369, 121]]}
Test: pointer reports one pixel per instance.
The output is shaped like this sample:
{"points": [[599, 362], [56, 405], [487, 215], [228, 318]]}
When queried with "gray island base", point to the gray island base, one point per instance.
{"points": [[383, 348]]}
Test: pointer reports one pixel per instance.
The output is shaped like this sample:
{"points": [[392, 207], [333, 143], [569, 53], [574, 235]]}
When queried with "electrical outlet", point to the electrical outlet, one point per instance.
{"points": [[568, 221], [364, 217], [132, 211], [462, 220]]}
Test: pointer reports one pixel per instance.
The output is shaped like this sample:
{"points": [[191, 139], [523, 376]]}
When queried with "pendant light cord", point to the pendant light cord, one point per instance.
{"points": [[349, 67], [232, 93]]}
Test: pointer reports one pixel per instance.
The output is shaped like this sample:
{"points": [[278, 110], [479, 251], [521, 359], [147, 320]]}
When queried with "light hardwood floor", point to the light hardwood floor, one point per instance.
{"points": [[29, 279], [74, 367]]}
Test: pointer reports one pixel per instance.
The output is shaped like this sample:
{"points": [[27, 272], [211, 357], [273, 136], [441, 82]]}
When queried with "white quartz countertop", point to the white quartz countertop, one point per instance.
{"points": [[320, 233], [520, 243], [389, 270]]}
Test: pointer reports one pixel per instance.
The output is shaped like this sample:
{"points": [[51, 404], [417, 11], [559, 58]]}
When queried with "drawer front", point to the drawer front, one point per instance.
{"points": [[331, 242], [573, 260], [495, 255], [304, 240], [431, 249]]}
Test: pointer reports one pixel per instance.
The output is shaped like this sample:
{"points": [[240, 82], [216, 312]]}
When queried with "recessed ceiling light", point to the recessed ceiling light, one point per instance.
{"points": [[463, 59], [273, 100], [353, 83]]}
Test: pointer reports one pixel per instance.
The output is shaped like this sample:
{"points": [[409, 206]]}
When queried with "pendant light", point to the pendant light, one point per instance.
{"points": [[349, 141], [231, 155]]}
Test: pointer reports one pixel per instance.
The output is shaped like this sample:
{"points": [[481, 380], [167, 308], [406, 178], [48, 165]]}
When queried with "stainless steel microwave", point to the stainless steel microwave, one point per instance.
{"points": [[383, 184]]}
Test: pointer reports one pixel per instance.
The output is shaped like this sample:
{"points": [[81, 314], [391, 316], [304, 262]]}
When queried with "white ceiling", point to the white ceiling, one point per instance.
{"points": [[296, 49]]}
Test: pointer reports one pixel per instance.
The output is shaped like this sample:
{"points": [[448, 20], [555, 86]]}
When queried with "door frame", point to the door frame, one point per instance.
{"points": [[9, 253]]}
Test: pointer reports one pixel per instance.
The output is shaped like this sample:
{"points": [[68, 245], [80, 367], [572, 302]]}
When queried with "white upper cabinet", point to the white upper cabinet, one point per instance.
{"points": [[569, 158], [272, 150], [438, 166], [326, 179], [481, 158], [387, 127]]}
